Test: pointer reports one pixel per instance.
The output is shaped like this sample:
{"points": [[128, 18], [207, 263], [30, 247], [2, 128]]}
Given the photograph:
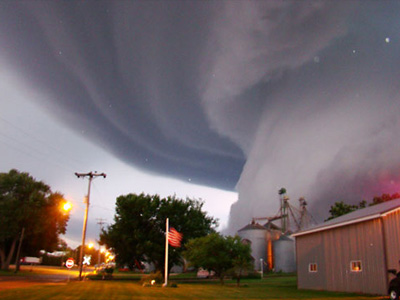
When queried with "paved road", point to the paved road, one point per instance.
{"points": [[38, 275]]}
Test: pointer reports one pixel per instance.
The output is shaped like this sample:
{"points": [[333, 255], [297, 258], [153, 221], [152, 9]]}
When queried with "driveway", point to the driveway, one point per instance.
{"points": [[38, 275]]}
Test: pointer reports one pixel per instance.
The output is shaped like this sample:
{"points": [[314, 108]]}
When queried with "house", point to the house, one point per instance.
{"points": [[351, 253]]}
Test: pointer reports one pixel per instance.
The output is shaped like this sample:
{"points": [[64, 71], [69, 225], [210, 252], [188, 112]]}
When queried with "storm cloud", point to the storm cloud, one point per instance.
{"points": [[252, 95]]}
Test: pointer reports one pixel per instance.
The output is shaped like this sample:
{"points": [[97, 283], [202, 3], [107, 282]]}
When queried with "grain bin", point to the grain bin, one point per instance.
{"points": [[284, 254]]}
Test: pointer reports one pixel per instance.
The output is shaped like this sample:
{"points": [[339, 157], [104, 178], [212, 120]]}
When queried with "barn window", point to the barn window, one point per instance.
{"points": [[355, 266], [312, 268]]}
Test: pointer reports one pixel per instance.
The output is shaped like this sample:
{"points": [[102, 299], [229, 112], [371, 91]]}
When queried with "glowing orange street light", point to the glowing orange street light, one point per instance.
{"points": [[67, 206], [90, 245]]}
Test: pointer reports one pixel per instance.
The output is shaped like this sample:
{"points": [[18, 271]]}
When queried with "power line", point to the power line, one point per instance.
{"points": [[57, 154]]}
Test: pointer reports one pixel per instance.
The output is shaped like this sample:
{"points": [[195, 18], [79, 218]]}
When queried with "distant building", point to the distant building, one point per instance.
{"points": [[273, 245], [351, 253]]}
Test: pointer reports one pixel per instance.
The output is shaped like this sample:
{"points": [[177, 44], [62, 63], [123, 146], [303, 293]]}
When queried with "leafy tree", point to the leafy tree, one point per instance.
{"points": [[29, 204], [138, 232], [362, 204], [242, 259], [219, 254], [384, 198], [340, 209]]}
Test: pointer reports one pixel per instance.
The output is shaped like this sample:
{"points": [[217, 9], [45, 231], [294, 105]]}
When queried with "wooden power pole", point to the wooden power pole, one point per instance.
{"points": [[90, 175]]}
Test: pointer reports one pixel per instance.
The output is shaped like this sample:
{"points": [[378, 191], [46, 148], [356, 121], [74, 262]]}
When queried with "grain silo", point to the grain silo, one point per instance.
{"points": [[284, 254], [256, 235], [272, 243], [261, 238]]}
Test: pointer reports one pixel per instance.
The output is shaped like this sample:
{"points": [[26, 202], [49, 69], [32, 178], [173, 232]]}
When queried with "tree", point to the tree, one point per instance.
{"points": [[384, 198], [138, 232], [340, 209], [242, 259], [219, 254], [30, 205]]}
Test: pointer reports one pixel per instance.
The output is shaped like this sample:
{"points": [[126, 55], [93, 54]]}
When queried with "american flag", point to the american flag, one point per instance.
{"points": [[174, 237]]}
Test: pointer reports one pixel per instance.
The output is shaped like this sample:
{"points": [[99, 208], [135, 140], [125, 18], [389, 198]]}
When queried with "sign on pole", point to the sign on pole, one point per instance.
{"points": [[70, 263], [87, 259]]}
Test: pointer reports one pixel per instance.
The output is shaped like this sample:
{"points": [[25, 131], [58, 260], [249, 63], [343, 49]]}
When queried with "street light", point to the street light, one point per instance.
{"points": [[67, 206]]}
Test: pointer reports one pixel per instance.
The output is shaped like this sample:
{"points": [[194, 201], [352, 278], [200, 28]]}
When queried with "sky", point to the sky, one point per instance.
{"points": [[227, 101]]}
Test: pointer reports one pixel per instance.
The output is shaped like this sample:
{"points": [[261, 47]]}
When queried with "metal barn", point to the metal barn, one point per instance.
{"points": [[351, 253]]}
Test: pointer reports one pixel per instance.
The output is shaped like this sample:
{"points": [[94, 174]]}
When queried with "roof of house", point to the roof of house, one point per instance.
{"points": [[360, 215]]}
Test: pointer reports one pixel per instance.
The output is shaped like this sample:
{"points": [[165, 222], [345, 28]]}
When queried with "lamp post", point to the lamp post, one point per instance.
{"points": [[262, 267]]}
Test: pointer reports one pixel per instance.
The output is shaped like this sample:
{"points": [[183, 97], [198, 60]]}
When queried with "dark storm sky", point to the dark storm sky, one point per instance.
{"points": [[127, 74]]}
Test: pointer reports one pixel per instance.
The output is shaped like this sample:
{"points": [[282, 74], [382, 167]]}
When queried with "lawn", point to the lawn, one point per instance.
{"points": [[268, 288]]}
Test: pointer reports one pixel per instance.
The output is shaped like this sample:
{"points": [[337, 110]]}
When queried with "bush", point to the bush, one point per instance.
{"points": [[105, 272], [252, 275]]}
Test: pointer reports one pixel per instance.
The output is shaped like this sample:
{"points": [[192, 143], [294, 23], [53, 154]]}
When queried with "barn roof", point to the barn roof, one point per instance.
{"points": [[360, 215]]}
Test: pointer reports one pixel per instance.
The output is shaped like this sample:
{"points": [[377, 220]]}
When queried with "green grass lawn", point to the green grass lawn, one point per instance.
{"points": [[268, 288]]}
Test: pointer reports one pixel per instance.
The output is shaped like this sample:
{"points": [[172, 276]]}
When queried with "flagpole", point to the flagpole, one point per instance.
{"points": [[166, 253]]}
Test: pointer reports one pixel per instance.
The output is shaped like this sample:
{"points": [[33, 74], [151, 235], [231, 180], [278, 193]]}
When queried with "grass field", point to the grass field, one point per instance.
{"points": [[268, 288]]}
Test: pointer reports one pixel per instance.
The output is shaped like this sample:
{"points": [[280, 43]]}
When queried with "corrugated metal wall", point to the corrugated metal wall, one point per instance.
{"points": [[334, 249], [392, 230]]}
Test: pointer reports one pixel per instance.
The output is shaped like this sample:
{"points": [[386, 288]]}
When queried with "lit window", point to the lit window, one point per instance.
{"points": [[312, 267], [355, 266]]}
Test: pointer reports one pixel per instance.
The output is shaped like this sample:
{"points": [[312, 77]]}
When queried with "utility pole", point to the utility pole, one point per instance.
{"points": [[90, 175], [100, 222], [17, 261]]}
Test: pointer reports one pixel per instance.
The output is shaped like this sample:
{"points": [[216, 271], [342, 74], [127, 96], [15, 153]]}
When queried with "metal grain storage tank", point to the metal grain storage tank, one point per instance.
{"points": [[256, 234], [284, 254]]}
